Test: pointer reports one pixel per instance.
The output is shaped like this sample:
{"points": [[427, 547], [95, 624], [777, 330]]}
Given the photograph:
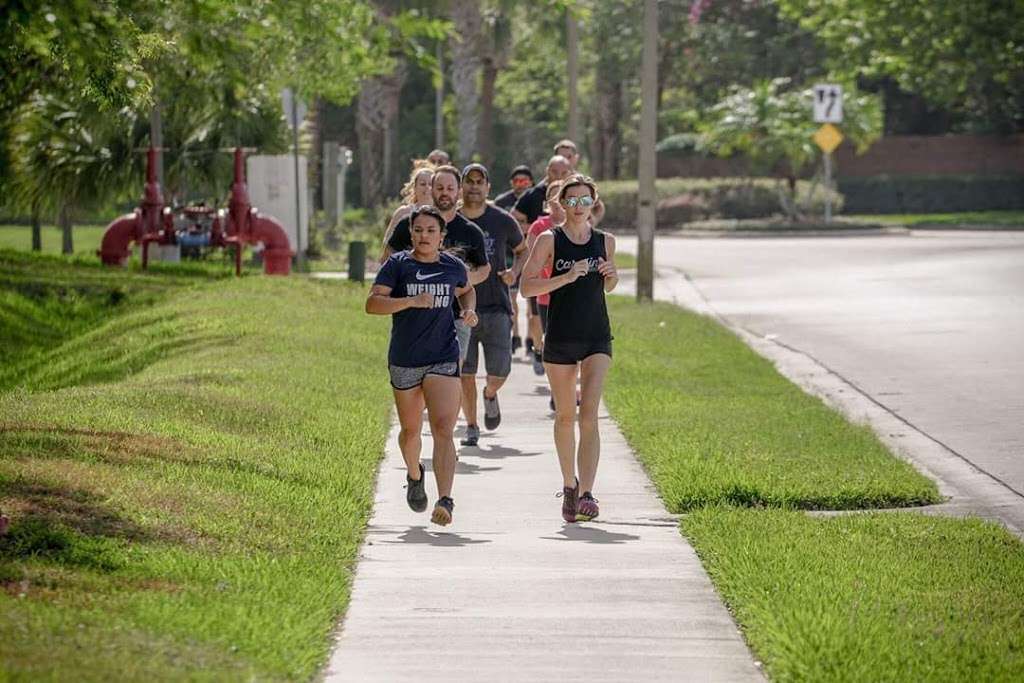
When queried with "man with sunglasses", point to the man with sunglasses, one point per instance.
{"points": [[520, 181]]}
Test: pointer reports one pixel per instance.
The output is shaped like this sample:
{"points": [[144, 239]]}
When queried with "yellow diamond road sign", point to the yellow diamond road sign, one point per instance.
{"points": [[828, 138]]}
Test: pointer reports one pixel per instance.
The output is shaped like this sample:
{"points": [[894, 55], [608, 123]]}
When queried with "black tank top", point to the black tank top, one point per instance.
{"points": [[577, 311]]}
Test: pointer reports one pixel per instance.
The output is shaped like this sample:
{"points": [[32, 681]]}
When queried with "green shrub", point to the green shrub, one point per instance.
{"points": [[682, 200], [932, 193]]}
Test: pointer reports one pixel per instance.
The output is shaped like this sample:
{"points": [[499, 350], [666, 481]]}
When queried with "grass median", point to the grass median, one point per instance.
{"points": [[188, 475], [866, 596], [715, 423]]}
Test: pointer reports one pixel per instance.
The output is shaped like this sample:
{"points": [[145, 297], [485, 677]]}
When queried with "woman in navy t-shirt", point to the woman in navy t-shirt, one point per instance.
{"points": [[417, 288]]}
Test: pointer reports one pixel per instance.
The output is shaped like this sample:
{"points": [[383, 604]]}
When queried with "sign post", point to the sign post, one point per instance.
{"points": [[828, 109], [295, 111]]}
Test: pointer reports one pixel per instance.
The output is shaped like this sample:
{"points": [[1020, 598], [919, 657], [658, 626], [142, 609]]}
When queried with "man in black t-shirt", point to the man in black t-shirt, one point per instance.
{"points": [[530, 206], [463, 238], [493, 303], [521, 180]]}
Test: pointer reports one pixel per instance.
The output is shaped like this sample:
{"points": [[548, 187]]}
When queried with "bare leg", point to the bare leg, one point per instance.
{"points": [[469, 398], [593, 370], [562, 379], [515, 312], [409, 403], [442, 398], [493, 385]]}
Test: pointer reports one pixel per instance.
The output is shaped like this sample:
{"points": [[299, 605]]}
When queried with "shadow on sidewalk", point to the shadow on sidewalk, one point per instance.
{"points": [[444, 539], [461, 467], [590, 534], [497, 452]]}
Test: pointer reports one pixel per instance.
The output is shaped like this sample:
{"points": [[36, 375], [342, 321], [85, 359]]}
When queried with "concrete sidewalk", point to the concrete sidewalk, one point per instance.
{"points": [[509, 592]]}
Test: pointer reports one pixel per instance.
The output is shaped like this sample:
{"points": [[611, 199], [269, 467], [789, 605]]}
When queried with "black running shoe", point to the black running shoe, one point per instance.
{"points": [[529, 346], [416, 492], [538, 363], [516, 343]]}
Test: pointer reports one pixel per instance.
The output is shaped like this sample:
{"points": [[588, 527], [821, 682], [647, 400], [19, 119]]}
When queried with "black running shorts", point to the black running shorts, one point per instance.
{"points": [[570, 353]]}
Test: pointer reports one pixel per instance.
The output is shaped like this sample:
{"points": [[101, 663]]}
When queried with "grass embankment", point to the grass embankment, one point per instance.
{"points": [[996, 220], [188, 476], [872, 596]]}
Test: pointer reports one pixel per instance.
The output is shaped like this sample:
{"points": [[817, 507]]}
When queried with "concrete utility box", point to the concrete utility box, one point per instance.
{"points": [[271, 181]]}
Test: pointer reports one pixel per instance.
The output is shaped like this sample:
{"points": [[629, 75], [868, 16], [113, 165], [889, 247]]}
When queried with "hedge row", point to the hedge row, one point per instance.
{"points": [[932, 193], [683, 200]]}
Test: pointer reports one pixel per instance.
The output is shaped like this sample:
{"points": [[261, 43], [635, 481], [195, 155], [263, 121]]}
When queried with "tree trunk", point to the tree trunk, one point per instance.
{"points": [[64, 221], [371, 115], [572, 74], [315, 164], [37, 230], [608, 143], [465, 71], [646, 209], [486, 133], [394, 171]]}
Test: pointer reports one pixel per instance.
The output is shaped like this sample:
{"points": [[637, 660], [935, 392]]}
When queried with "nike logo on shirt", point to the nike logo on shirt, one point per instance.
{"points": [[420, 276]]}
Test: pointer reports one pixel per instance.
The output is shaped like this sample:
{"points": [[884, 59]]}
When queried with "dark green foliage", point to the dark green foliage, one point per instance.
{"points": [[932, 193]]}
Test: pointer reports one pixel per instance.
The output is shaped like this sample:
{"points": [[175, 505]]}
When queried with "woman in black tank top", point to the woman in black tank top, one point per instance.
{"points": [[578, 338]]}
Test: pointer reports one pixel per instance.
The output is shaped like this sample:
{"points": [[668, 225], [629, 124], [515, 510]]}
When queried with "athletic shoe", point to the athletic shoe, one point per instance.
{"points": [[570, 502], [472, 436], [587, 508], [538, 363], [529, 346], [516, 343], [492, 412], [443, 508], [551, 403], [415, 492]]}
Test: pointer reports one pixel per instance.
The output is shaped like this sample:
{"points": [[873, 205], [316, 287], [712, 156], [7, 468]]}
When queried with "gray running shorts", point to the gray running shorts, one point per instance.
{"points": [[462, 332], [494, 331], [410, 378]]}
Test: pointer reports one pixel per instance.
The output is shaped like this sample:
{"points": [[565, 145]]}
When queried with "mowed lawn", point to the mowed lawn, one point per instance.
{"points": [[865, 596], [188, 473], [86, 238]]}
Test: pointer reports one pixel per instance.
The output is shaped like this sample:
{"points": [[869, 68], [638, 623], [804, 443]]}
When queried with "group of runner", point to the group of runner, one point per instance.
{"points": [[451, 263]]}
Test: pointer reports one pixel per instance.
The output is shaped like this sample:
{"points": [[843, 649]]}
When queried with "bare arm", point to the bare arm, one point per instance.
{"points": [[533, 284], [467, 300], [380, 301], [607, 268], [509, 276], [478, 274]]}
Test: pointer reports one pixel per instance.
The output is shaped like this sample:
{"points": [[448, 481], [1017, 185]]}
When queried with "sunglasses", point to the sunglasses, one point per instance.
{"points": [[573, 202]]}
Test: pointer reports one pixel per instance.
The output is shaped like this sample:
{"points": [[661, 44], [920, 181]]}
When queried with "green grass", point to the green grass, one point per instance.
{"points": [[624, 260], [716, 423], [85, 238], [869, 597], [188, 473], [994, 219]]}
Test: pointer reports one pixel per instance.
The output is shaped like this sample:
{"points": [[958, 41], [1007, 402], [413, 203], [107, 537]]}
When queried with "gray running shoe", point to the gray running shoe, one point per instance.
{"points": [[472, 436], [538, 363], [492, 412]]}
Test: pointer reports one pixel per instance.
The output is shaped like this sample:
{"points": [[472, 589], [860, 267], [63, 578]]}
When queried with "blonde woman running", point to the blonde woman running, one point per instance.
{"points": [[415, 192], [578, 338]]}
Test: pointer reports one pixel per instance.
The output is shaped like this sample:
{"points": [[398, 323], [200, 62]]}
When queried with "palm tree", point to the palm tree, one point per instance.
{"points": [[466, 40], [68, 156]]}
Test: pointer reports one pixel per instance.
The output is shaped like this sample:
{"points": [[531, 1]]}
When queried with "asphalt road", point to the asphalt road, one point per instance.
{"points": [[930, 325]]}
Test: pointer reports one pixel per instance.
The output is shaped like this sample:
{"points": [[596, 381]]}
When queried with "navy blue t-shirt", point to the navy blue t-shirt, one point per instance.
{"points": [[423, 336], [501, 234]]}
